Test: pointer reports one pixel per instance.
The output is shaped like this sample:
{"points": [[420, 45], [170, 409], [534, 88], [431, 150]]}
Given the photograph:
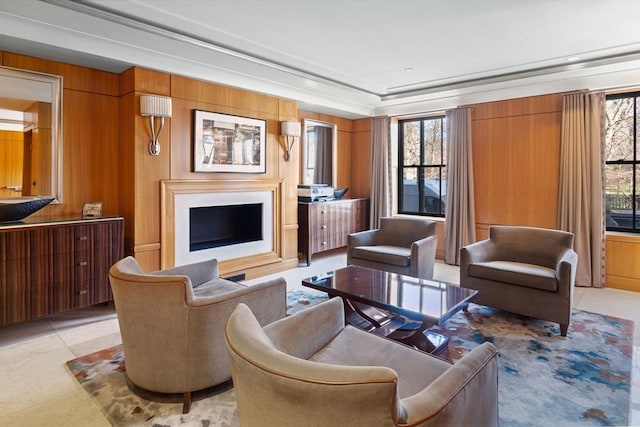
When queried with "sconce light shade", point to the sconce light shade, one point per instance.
{"points": [[153, 106], [290, 131]]}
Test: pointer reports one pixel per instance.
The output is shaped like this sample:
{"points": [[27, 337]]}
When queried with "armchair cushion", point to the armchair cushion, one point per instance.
{"points": [[216, 287], [394, 255], [516, 273]]}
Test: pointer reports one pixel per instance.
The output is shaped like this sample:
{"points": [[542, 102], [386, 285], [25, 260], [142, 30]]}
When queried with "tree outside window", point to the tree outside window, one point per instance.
{"points": [[622, 162]]}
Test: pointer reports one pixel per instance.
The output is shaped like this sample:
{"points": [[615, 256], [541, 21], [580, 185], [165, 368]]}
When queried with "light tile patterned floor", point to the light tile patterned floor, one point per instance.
{"points": [[36, 389]]}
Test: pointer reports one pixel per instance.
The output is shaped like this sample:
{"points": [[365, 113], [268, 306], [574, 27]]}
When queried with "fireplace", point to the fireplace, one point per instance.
{"points": [[235, 222], [215, 226]]}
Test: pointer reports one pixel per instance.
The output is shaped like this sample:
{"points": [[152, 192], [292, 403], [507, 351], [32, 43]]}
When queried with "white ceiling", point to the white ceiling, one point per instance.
{"points": [[346, 57]]}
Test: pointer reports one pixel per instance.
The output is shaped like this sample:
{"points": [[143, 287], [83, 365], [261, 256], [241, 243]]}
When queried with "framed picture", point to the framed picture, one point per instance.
{"points": [[224, 143]]}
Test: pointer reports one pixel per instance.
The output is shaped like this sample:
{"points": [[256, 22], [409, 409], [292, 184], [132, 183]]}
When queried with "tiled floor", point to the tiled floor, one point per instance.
{"points": [[36, 388]]}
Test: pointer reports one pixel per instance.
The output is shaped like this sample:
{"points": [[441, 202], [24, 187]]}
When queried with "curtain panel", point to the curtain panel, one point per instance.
{"points": [[380, 202], [581, 184], [459, 210]]}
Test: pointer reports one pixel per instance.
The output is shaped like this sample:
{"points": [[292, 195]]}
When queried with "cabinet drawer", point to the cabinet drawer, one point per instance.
{"points": [[82, 238], [55, 267]]}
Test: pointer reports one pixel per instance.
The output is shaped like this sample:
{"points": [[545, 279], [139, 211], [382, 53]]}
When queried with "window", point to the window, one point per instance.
{"points": [[622, 162], [422, 160]]}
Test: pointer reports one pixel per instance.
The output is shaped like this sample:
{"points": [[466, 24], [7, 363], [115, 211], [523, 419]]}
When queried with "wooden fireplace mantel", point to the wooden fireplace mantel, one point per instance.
{"points": [[171, 188]]}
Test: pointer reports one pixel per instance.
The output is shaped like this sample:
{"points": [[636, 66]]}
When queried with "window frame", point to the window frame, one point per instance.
{"points": [[635, 164], [421, 166]]}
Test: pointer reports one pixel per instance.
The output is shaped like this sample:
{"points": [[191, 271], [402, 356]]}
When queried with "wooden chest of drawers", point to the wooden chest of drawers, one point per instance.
{"points": [[326, 225], [53, 267]]}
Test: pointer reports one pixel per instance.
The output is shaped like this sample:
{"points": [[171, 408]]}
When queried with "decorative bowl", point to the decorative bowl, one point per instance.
{"points": [[338, 194], [17, 208]]}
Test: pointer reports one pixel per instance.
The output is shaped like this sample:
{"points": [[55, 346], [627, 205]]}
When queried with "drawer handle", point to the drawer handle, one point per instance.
{"points": [[83, 238], [83, 264], [322, 227], [322, 212], [83, 292], [323, 243]]}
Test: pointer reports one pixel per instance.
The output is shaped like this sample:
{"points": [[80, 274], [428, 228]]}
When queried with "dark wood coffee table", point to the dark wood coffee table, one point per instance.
{"points": [[394, 305]]}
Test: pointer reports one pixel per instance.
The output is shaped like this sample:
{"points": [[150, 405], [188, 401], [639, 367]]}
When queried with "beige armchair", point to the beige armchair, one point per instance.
{"points": [[311, 369], [400, 245], [525, 270], [172, 323]]}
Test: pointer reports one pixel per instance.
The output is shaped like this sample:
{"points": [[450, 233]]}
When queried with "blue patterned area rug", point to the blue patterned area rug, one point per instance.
{"points": [[544, 379]]}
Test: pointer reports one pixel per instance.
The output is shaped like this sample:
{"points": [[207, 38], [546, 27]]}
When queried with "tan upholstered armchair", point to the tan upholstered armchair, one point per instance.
{"points": [[525, 270], [172, 323], [311, 369], [400, 245]]}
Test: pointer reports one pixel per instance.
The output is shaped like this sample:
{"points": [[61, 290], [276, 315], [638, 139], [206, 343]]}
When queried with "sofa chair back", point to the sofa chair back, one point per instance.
{"points": [[293, 391], [402, 232], [153, 314], [531, 245], [311, 369], [172, 322]]}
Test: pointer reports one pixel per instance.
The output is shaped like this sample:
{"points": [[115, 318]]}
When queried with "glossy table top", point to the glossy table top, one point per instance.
{"points": [[427, 299]]}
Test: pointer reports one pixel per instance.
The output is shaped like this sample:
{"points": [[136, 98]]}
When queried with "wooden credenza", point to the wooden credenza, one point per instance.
{"points": [[51, 267], [326, 225]]}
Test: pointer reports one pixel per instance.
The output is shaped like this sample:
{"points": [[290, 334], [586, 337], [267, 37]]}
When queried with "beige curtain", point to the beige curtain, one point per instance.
{"points": [[580, 195], [324, 168], [459, 214], [380, 202]]}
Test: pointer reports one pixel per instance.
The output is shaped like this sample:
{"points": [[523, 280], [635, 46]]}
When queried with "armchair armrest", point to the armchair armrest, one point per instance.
{"points": [[481, 251], [566, 267], [465, 394], [304, 333], [198, 272], [361, 238], [423, 255]]}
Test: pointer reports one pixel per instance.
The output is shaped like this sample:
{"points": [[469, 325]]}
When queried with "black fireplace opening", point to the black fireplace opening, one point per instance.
{"points": [[216, 226]]}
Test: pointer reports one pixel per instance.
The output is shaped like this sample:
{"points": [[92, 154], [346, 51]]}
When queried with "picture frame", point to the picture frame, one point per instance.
{"points": [[92, 210], [226, 143]]}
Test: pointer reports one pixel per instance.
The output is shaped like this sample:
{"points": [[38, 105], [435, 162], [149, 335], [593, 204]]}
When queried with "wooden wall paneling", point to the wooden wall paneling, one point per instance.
{"points": [[289, 172], [516, 162], [622, 261], [441, 233], [231, 100], [148, 172], [11, 161], [126, 168], [150, 81], [344, 160], [144, 171], [91, 152], [361, 159], [518, 107], [182, 141], [74, 77]]}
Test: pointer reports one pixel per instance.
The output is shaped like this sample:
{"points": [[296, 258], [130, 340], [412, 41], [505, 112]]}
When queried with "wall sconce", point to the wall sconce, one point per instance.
{"points": [[290, 131], [155, 106]]}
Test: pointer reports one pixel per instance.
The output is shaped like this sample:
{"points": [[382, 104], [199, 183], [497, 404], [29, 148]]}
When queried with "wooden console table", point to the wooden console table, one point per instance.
{"points": [[55, 266], [326, 225]]}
